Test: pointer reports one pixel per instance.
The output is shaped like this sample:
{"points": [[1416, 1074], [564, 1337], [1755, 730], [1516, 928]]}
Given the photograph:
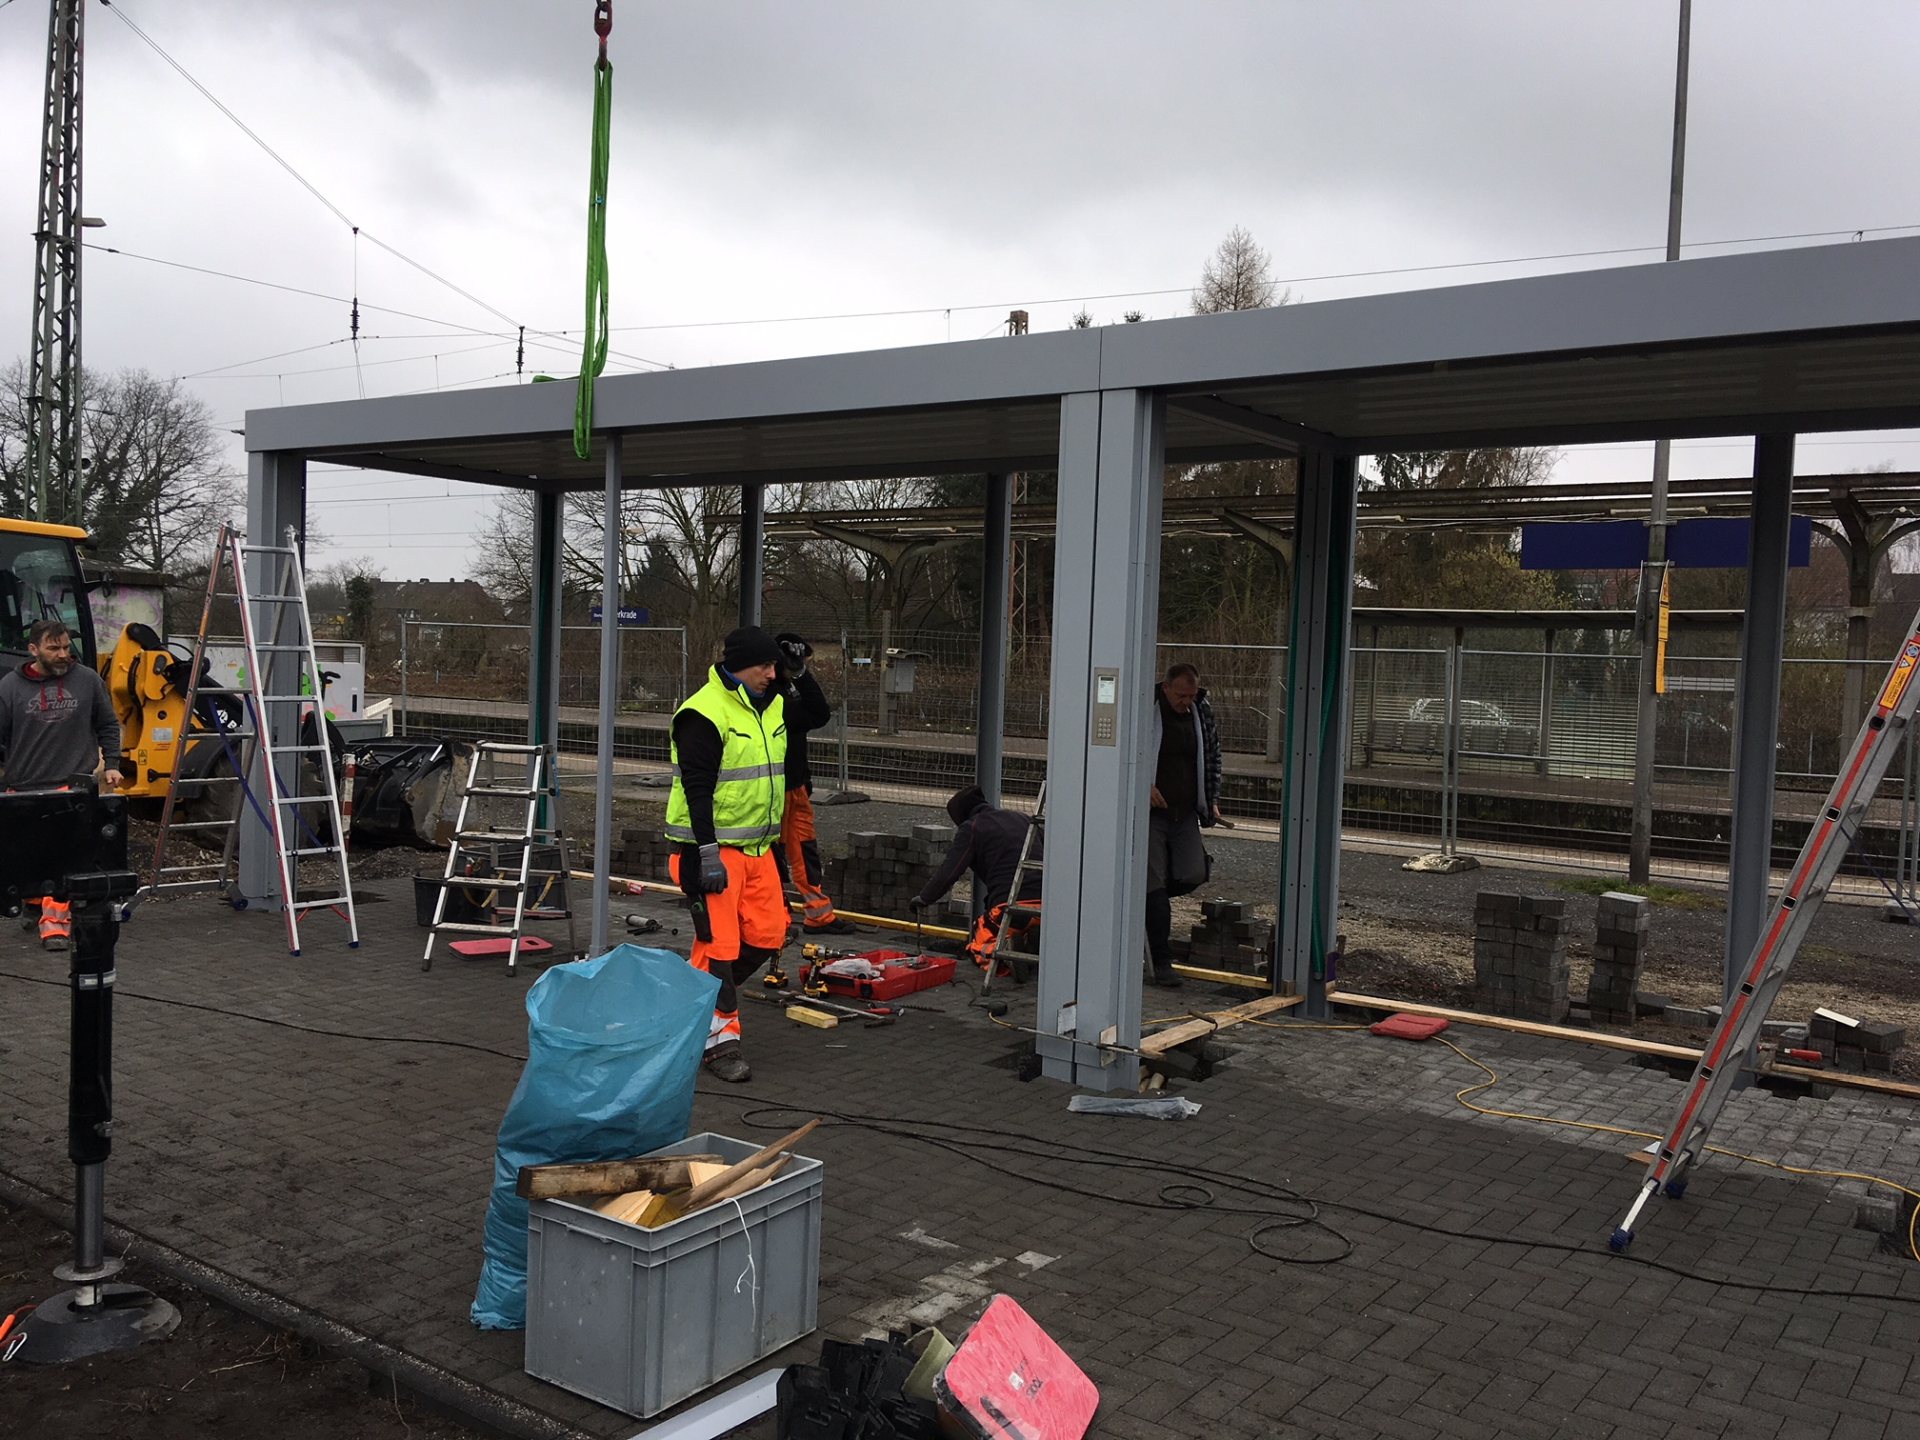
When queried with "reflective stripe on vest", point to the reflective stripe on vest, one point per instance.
{"points": [[750, 789]]}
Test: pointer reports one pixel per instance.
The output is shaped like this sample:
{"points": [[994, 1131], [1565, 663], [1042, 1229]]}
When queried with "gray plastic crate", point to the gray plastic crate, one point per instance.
{"points": [[641, 1319]]}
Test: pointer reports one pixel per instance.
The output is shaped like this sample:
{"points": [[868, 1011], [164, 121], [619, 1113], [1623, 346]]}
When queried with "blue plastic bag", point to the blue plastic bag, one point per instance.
{"points": [[613, 1049]]}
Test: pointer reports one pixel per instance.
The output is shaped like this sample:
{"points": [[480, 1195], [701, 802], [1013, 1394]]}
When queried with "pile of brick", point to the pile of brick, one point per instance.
{"points": [[882, 872], [641, 854], [1228, 937], [1619, 954], [1851, 1044], [1520, 955]]}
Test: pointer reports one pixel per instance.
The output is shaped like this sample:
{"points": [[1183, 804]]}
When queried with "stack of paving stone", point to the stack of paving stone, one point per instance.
{"points": [[1855, 1044], [641, 855], [1520, 955], [1228, 937], [1619, 952], [882, 871]]}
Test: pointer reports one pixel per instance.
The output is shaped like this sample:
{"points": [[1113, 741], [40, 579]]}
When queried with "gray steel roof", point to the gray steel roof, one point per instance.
{"points": [[1822, 338]]}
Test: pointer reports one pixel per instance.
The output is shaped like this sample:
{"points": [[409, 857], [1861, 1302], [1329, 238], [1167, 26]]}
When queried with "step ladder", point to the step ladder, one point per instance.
{"points": [[274, 623], [1739, 1029], [481, 856], [1031, 858]]}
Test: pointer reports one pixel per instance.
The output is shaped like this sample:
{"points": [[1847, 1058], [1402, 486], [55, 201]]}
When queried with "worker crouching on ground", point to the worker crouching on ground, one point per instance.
{"points": [[806, 711], [56, 724], [729, 744], [987, 843]]}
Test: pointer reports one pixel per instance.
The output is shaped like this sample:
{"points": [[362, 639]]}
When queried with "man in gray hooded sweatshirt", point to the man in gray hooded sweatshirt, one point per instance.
{"points": [[56, 725]]}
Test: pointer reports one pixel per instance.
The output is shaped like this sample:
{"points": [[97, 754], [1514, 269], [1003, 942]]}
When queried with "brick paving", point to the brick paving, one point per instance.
{"points": [[350, 1175]]}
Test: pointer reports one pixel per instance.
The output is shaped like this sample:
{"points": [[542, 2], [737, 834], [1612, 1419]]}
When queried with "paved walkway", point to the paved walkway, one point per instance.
{"points": [[350, 1174]]}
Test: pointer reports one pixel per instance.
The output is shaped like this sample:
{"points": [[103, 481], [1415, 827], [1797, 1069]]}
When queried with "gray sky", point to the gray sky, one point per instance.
{"points": [[801, 159]]}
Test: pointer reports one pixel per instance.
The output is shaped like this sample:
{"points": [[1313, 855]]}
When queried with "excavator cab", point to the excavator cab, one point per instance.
{"points": [[40, 579]]}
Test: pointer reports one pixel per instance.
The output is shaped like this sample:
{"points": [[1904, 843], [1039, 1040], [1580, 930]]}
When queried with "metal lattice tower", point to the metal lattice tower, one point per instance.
{"points": [[53, 386]]}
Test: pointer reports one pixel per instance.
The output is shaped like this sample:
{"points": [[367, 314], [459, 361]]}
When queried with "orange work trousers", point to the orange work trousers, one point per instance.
{"points": [[800, 842], [736, 931], [986, 934]]}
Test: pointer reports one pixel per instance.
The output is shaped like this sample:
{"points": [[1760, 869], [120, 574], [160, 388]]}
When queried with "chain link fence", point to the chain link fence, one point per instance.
{"points": [[1527, 751]]}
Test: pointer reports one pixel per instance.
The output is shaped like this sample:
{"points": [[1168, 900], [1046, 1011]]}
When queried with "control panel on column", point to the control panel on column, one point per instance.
{"points": [[1106, 706]]}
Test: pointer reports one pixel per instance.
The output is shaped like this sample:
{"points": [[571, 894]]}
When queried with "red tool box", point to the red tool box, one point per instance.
{"points": [[902, 974]]}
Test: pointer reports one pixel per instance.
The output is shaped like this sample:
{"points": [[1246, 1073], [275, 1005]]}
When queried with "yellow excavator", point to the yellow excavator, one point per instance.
{"points": [[400, 789], [41, 579]]}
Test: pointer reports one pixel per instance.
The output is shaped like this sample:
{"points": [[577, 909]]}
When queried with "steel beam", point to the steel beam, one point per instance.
{"points": [[610, 600], [1757, 705], [1317, 701], [1106, 601], [753, 550], [276, 500], [996, 594], [543, 668]]}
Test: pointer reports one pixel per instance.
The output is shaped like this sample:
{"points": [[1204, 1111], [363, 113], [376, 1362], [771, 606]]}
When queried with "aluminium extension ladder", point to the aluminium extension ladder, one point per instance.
{"points": [[274, 622], [474, 857], [1740, 1025], [1029, 864]]}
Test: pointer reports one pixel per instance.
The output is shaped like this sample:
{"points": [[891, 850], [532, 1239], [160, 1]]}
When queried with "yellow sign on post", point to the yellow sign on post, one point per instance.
{"points": [[1666, 624]]}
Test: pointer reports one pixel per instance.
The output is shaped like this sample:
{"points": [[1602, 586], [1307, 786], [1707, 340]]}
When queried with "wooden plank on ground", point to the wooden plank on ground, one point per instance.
{"points": [[1199, 1028], [1845, 1077], [1626, 1042], [1522, 1027]]}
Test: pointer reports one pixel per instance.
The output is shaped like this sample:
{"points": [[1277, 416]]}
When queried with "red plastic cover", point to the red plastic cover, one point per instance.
{"points": [[1009, 1381], [1409, 1027]]}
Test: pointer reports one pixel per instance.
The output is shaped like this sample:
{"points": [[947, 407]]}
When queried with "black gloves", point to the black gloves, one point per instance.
{"points": [[702, 872], [796, 650]]}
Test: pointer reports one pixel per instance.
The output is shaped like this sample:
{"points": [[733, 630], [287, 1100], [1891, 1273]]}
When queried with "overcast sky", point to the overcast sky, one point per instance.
{"points": [[807, 159]]}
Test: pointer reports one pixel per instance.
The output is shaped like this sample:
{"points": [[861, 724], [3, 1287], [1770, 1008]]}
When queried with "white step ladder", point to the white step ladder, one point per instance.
{"points": [[1029, 863], [274, 623], [532, 782], [1741, 1024]]}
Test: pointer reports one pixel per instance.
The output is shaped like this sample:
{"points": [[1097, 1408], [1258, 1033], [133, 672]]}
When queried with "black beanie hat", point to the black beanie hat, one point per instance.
{"points": [[961, 807], [746, 647]]}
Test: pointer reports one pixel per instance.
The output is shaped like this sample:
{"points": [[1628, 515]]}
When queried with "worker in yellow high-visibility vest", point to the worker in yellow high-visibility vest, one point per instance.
{"points": [[729, 743]]}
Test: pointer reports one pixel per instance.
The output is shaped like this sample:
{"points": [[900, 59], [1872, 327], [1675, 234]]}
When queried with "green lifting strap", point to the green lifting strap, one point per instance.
{"points": [[593, 355]]}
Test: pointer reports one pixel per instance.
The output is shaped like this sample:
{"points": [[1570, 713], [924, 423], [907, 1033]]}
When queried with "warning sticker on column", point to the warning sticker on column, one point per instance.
{"points": [[1901, 677]]}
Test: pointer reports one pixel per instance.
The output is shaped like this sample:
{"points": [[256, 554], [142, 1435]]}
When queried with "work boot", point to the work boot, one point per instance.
{"points": [[1164, 976], [728, 1064], [834, 927]]}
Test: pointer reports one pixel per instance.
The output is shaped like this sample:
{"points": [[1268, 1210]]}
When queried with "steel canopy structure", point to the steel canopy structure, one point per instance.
{"points": [[1769, 345]]}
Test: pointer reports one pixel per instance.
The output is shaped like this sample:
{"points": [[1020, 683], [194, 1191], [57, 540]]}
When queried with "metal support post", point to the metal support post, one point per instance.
{"points": [[276, 501], [996, 577], [753, 550], [610, 598], [1542, 764], [1106, 600], [400, 721], [543, 639], [1450, 746], [1317, 700], [1757, 702], [1373, 686], [846, 704]]}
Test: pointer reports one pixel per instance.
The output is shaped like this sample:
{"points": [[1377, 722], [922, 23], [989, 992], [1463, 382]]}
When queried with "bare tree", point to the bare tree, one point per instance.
{"points": [[156, 490], [1237, 276]]}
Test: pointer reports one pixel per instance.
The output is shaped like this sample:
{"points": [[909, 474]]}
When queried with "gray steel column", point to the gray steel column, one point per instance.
{"points": [[1317, 723], [1757, 706], [543, 640], [610, 598], [276, 499], [996, 578], [753, 549], [1106, 604], [543, 649]]}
